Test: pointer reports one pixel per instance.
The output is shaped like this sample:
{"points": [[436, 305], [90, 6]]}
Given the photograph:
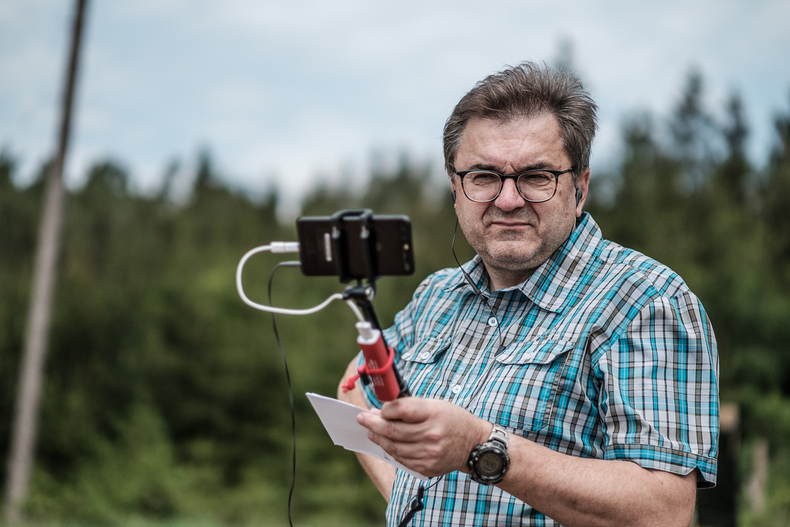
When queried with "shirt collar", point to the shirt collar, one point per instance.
{"points": [[552, 283]]}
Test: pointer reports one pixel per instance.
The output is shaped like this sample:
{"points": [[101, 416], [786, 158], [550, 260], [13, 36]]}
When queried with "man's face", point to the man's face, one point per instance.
{"points": [[511, 235]]}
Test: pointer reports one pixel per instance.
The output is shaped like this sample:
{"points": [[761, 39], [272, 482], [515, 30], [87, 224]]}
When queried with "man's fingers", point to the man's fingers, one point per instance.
{"points": [[408, 409], [396, 430], [403, 451], [425, 459]]}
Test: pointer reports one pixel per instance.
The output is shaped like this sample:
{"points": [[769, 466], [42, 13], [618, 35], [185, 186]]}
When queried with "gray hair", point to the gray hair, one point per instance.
{"points": [[528, 90]]}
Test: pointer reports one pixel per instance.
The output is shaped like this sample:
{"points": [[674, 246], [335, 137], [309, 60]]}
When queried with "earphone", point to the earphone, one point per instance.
{"points": [[453, 197]]}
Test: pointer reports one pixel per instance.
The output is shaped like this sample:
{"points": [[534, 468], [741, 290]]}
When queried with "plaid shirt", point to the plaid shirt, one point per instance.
{"points": [[602, 353]]}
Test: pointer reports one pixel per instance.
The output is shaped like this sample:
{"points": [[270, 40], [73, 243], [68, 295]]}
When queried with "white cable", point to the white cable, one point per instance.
{"points": [[280, 247], [356, 310]]}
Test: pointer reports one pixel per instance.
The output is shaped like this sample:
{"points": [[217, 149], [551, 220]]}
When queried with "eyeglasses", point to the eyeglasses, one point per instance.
{"points": [[535, 186]]}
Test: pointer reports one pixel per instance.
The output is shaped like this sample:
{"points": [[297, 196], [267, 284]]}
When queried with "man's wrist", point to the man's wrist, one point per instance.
{"points": [[482, 431]]}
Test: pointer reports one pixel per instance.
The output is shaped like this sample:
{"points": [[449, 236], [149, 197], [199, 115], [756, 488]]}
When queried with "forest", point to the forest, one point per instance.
{"points": [[166, 398]]}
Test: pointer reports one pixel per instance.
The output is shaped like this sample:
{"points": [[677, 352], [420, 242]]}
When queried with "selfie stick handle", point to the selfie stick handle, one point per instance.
{"points": [[379, 362], [379, 368]]}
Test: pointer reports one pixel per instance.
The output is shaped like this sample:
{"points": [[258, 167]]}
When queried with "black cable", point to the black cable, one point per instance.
{"points": [[474, 287], [417, 503], [290, 390]]}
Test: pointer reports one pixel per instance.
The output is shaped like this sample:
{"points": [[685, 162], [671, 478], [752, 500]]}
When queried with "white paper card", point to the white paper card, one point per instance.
{"points": [[340, 421]]}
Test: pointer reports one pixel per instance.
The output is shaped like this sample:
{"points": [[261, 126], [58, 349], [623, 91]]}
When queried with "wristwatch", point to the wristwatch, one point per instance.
{"points": [[488, 462]]}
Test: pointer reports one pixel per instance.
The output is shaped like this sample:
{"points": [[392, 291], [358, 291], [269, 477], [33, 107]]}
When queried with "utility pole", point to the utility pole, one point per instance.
{"points": [[31, 373]]}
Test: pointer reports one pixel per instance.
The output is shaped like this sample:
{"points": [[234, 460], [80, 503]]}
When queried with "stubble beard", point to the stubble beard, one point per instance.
{"points": [[515, 251]]}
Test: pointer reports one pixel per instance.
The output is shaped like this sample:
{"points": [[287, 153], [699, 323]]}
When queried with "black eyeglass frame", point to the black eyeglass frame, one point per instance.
{"points": [[515, 178]]}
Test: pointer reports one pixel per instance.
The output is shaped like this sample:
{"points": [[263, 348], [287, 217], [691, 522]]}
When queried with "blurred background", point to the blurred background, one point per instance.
{"points": [[204, 128]]}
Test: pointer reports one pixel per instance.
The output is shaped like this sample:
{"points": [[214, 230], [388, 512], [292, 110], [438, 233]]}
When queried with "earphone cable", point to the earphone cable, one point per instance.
{"points": [[474, 287], [417, 503]]}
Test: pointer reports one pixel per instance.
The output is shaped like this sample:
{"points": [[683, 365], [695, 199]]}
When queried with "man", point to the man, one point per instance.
{"points": [[557, 378]]}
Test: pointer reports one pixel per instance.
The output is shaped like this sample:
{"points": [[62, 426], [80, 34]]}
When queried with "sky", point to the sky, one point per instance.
{"points": [[292, 93]]}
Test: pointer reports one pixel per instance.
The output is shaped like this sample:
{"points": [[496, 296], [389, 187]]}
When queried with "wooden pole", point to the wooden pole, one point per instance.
{"points": [[31, 373]]}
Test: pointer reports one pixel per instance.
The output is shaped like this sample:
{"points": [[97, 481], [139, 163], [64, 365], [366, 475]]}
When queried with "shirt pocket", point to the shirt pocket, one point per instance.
{"points": [[525, 383], [417, 365]]}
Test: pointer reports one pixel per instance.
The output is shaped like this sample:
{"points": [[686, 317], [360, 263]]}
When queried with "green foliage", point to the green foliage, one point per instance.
{"points": [[166, 397]]}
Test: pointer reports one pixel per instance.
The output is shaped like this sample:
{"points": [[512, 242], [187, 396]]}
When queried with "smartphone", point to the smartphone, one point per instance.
{"points": [[392, 253]]}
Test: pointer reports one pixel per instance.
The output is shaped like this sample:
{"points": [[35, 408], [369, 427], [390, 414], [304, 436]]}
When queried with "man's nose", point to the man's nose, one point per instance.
{"points": [[509, 198]]}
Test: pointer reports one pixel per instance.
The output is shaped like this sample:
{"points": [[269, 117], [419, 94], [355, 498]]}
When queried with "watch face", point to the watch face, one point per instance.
{"points": [[489, 463]]}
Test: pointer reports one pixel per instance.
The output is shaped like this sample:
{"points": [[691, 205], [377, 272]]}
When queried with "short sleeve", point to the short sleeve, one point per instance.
{"points": [[659, 402]]}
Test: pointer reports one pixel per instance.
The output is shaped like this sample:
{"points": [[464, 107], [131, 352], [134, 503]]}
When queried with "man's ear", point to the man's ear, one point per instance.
{"points": [[582, 188]]}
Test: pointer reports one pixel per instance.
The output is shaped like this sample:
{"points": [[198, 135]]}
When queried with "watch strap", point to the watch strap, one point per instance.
{"points": [[498, 433]]}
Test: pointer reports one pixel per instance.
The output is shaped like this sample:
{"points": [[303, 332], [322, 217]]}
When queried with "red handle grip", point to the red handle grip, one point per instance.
{"points": [[379, 363]]}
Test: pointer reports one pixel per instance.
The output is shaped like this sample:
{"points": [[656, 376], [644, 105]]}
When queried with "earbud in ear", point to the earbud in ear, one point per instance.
{"points": [[578, 194], [453, 197]]}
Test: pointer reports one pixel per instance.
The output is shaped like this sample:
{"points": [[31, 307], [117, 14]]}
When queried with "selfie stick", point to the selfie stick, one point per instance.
{"points": [[379, 368]]}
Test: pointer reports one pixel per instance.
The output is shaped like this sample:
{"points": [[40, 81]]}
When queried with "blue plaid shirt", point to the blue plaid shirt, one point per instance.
{"points": [[602, 353]]}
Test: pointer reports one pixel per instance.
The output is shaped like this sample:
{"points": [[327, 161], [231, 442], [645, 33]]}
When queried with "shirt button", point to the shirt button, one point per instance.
{"points": [[457, 389], [425, 355], [492, 322]]}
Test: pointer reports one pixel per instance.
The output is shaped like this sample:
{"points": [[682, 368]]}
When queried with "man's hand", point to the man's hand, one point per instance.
{"points": [[430, 436]]}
